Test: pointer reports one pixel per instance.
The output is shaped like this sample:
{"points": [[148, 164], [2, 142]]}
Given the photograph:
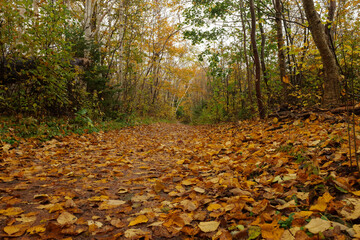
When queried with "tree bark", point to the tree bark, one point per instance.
{"points": [[262, 59], [256, 61], [280, 44], [331, 96], [248, 80]]}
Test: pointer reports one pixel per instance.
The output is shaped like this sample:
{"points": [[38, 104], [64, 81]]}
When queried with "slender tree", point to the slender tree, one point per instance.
{"points": [[256, 61], [280, 43]]}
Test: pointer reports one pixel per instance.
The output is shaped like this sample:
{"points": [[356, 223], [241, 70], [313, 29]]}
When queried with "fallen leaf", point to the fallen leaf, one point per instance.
{"points": [[98, 198], [208, 226], [139, 219], [122, 191], [188, 205], [187, 182], [13, 211], [199, 190], [318, 225], [352, 211], [110, 204], [213, 207], [322, 202], [26, 219], [11, 230], [291, 204], [254, 232], [117, 223], [36, 229], [356, 228], [66, 218], [135, 233], [95, 223], [6, 148]]}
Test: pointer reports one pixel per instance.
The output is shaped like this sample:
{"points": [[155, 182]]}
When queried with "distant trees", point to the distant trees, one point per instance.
{"points": [[297, 68]]}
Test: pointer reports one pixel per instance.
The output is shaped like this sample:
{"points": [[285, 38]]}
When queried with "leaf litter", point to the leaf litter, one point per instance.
{"points": [[247, 180]]}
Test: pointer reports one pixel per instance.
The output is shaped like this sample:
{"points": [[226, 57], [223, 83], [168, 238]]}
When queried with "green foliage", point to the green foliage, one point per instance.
{"points": [[287, 223], [43, 88], [285, 148]]}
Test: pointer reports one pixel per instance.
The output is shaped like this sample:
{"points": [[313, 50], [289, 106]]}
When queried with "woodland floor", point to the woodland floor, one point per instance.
{"points": [[249, 180]]}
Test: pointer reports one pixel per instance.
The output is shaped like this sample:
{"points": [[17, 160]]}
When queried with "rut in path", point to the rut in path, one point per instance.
{"points": [[172, 181]]}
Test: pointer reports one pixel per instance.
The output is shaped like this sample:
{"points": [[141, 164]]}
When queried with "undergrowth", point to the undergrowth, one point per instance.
{"points": [[15, 128]]}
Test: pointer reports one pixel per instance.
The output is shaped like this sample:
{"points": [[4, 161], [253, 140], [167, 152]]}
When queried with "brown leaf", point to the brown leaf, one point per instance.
{"points": [[136, 233], [66, 218], [318, 225]]}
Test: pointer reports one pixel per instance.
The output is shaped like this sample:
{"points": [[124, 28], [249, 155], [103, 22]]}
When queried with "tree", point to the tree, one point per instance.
{"points": [[256, 61], [331, 87], [280, 42]]}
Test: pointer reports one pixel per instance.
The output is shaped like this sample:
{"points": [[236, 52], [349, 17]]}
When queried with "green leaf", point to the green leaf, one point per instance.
{"points": [[254, 232]]}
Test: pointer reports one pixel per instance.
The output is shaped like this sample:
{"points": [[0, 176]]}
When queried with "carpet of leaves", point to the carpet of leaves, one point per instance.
{"points": [[249, 180]]}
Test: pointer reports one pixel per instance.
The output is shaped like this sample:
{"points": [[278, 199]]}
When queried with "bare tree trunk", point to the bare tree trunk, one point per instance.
{"points": [[245, 54], [331, 95], [262, 58], [87, 24], [256, 61], [280, 44]]}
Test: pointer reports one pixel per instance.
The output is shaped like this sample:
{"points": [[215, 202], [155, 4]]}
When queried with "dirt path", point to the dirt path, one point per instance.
{"points": [[163, 181]]}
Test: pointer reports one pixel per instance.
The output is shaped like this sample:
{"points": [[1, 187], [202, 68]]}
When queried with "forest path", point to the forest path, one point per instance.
{"points": [[175, 181]]}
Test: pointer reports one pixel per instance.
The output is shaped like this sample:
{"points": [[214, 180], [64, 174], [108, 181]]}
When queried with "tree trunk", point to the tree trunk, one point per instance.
{"points": [[262, 58], [246, 55], [331, 95], [280, 44], [87, 25], [256, 61]]}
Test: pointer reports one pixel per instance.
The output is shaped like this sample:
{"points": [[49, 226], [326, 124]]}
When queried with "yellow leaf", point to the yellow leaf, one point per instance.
{"points": [[11, 211], [10, 230], [213, 207], [356, 193], [55, 208], [303, 214], [187, 182], [98, 198], [138, 220], [286, 79], [36, 229], [322, 202], [208, 226], [180, 162]]}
